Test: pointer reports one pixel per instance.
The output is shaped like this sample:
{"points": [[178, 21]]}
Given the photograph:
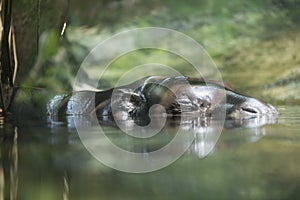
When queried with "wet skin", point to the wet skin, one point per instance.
{"points": [[172, 96]]}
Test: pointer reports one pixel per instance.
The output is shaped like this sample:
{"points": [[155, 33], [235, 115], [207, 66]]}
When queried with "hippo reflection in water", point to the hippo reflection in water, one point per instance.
{"points": [[175, 95]]}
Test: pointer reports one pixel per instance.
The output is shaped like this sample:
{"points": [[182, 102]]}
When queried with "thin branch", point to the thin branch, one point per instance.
{"points": [[38, 24]]}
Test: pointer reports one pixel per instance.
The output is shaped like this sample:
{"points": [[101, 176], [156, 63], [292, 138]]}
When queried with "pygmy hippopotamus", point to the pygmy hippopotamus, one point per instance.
{"points": [[174, 95]]}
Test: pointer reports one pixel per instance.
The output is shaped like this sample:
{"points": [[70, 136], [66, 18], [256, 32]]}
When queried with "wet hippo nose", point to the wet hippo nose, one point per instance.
{"points": [[252, 107]]}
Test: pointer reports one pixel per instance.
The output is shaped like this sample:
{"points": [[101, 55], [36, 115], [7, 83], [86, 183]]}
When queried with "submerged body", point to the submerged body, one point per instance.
{"points": [[161, 95]]}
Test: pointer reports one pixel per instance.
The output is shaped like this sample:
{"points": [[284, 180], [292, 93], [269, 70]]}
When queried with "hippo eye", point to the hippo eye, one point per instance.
{"points": [[250, 110]]}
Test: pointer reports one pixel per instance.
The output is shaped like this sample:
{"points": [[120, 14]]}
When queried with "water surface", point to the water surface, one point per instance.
{"points": [[42, 161]]}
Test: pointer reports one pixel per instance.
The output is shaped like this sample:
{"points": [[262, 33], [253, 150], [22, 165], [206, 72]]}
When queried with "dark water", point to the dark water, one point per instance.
{"points": [[42, 161]]}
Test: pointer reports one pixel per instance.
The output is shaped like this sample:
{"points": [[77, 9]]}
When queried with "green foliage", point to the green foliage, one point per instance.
{"points": [[290, 8], [229, 30], [48, 45]]}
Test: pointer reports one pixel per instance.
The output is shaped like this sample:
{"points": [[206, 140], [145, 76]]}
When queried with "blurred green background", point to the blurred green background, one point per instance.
{"points": [[255, 44]]}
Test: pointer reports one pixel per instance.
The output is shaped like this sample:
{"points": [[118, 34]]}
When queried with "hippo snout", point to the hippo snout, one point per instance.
{"points": [[250, 108]]}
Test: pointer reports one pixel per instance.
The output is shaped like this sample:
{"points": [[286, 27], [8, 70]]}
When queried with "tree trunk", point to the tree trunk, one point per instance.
{"points": [[8, 57]]}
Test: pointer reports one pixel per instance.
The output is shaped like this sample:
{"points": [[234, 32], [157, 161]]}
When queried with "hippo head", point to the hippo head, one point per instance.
{"points": [[180, 95], [213, 99]]}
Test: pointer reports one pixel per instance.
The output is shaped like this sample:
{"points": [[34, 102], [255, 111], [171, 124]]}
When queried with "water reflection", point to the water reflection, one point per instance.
{"points": [[253, 122], [204, 130], [207, 131], [51, 163], [9, 162], [66, 188]]}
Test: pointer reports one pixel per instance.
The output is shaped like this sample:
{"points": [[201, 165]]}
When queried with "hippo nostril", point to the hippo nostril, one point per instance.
{"points": [[250, 110]]}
